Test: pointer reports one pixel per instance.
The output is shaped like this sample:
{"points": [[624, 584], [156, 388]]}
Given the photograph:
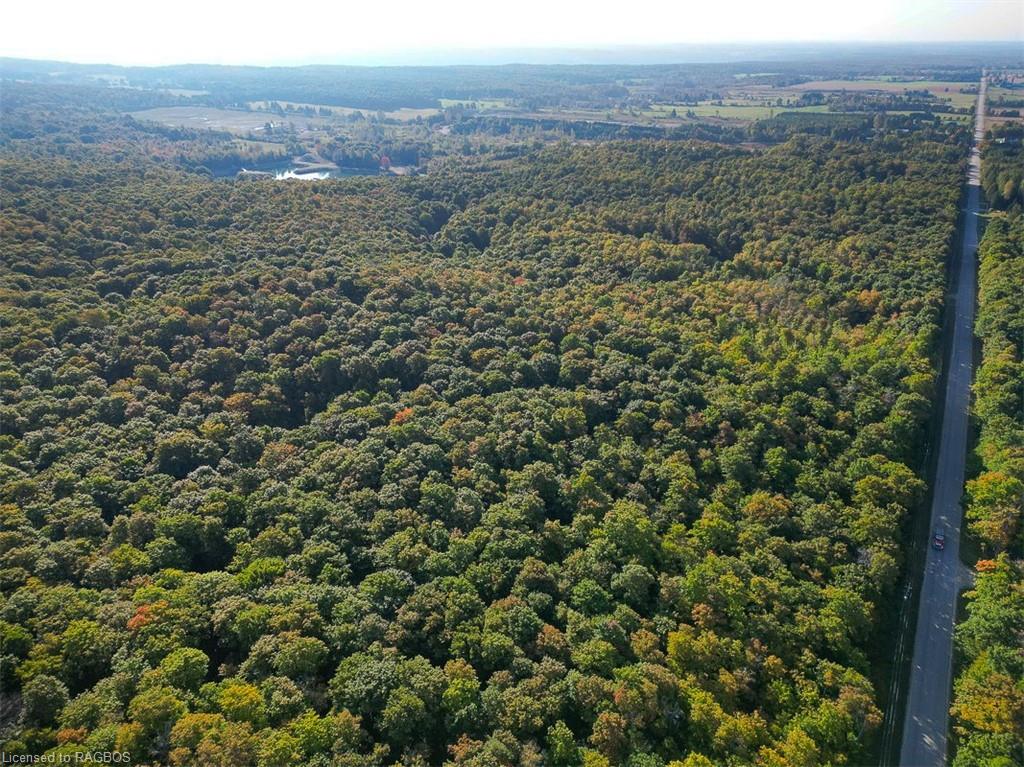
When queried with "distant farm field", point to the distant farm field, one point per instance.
{"points": [[247, 145], [731, 111], [404, 114], [964, 118], [483, 104], [995, 93], [231, 120], [942, 89], [890, 86]]}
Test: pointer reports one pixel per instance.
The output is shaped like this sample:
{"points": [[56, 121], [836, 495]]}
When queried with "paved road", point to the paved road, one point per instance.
{"points": [[927, 712]]}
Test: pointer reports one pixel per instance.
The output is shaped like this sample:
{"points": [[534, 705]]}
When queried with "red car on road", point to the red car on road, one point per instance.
{"points": [[939, 540]]}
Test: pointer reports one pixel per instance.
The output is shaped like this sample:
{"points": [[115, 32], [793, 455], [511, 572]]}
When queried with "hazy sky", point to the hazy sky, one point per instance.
{"points": [[260, 32]]}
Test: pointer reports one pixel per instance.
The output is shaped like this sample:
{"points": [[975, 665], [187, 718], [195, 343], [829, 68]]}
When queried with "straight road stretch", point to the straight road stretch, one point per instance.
{"points": [[926, 720]]}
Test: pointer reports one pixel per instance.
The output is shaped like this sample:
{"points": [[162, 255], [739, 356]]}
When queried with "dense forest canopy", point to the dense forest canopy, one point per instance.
{"points": [[572, 453]]}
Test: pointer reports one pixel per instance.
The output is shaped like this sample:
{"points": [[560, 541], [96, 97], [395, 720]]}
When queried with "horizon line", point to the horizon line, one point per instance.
{"points": [[410, 55]]}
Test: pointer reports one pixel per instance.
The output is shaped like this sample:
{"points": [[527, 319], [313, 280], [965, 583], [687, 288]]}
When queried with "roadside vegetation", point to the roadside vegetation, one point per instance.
{"points": [[988, 705]]}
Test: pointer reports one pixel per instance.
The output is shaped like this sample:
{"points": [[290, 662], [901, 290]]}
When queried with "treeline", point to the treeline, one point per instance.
{"points": [[349, 153], [579, 455], [1002, 173], [988, 707], [592, 129], [840, 126]]}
